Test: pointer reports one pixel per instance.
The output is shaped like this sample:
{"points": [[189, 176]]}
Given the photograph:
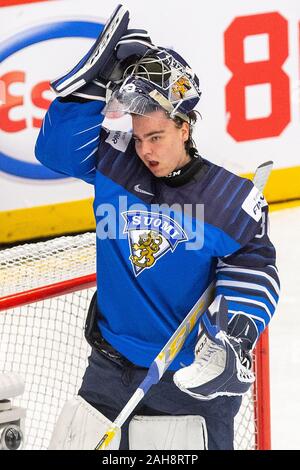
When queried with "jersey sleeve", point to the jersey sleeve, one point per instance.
{"points": [[69, 138], [248, 278]]}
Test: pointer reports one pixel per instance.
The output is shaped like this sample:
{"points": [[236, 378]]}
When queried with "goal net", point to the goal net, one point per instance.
{"points": [[45, 290]]}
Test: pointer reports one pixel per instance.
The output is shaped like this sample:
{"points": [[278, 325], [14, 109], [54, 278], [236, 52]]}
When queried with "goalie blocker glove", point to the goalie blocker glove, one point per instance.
{"points": [[103, 63], [131, 46], [222, 364], [97, 58]]}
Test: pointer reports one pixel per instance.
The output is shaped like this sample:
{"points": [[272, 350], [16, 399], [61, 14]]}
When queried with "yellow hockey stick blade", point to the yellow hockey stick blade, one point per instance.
{"points": [[107, 438]]}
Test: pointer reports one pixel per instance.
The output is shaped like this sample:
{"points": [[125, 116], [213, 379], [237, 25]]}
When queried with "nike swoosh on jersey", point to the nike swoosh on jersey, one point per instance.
{"points": [[139, 190]]}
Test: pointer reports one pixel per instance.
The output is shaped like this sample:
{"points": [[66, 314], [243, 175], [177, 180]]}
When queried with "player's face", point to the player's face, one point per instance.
{"points": [[159, 143]]}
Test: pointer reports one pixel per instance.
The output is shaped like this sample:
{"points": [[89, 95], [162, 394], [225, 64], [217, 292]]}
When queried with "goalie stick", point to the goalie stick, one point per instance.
{"points": [[175, 343]]}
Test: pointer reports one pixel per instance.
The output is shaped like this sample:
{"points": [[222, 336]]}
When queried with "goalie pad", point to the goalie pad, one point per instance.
{"points": [[221, 366], [167, 433], [80, 426], [11, 385], [98, 57]]}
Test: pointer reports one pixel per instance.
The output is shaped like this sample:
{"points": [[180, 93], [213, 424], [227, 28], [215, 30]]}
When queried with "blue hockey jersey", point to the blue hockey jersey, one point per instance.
{"points": [[158, 246]]}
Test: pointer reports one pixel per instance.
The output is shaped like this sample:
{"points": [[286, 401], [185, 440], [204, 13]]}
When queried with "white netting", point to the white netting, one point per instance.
{"points": [[44, 341], [41, 264]]}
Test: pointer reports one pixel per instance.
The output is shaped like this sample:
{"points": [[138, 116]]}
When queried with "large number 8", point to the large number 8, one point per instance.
{"points": [[254, 73]]}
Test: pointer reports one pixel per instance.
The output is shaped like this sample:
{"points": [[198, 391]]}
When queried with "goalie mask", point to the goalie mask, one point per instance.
{"points": [[160, 80]]}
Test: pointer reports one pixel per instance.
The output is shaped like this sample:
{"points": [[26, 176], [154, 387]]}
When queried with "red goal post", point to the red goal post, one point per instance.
{"points": [[45, 290]]}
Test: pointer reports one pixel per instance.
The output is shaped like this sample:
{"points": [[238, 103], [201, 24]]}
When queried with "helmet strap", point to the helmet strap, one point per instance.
{"points": [[167, 106]]}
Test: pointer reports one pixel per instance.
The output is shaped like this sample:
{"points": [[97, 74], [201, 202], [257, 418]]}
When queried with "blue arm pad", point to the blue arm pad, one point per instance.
{"points": [[69, 138], [249, 279]]}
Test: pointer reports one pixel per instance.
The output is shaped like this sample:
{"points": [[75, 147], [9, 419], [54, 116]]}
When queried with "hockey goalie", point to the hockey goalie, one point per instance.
{"points": [[123, 121]]}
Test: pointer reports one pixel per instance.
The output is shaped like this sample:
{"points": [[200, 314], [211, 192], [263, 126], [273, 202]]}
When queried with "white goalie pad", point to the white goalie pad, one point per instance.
{"points": [[167, 433], [80, 427], [11, 385]]}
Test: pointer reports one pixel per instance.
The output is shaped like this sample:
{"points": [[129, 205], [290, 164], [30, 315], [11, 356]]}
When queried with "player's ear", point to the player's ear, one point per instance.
{"points": [[185, 131]]}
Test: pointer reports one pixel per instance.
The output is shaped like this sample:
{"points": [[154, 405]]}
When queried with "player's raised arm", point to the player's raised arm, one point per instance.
{"points": [[70, 135], [69, 138]]}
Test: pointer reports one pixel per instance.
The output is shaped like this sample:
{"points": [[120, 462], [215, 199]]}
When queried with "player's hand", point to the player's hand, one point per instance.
{"points": [[222, 366], [97, 58], [133, 45], [115, 48]]}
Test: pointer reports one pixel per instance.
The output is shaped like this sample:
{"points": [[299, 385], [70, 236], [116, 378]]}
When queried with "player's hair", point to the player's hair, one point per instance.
{"points": [[193, 116]]}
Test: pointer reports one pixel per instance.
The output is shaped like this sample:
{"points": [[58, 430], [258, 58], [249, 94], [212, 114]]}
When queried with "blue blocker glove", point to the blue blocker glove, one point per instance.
{"points": [[222, 364], [115, 48]]}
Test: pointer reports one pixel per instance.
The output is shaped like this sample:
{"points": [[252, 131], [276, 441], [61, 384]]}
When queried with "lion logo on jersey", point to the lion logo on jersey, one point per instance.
{"points": [[150, 236], [149, 244]]}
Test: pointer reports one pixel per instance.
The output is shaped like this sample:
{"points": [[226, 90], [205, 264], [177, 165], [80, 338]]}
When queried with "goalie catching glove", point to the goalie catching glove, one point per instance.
{"points": [[115, 47], [222, 364]]}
